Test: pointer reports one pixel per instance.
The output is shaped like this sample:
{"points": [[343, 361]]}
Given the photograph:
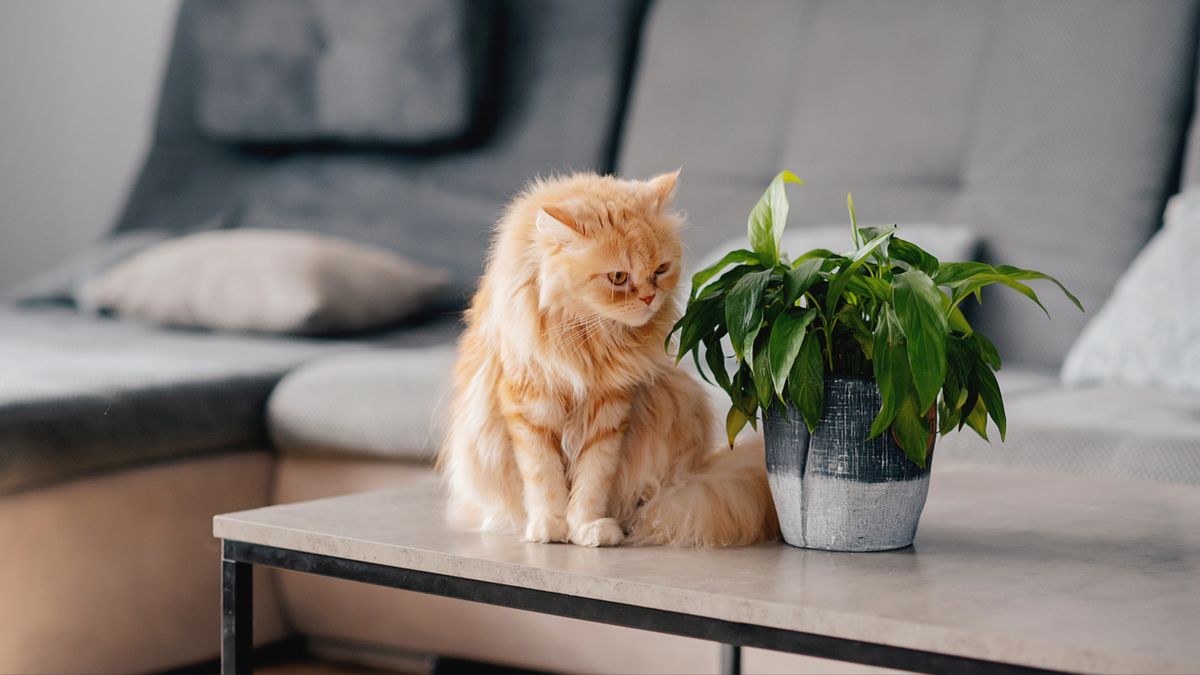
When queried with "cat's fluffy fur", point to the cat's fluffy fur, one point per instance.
{"points": [[570, 421]]}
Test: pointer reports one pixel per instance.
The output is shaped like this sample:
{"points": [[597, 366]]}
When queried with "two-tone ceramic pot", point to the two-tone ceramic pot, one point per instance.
{"points": [[833, 488]]}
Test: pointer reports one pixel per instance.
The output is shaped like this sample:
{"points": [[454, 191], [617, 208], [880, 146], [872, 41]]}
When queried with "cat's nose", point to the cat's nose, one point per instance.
{"points": [[647, 298]]}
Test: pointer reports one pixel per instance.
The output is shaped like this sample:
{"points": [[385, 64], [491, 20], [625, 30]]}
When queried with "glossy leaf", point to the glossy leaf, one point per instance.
{"points": [[890, 364], [989, 393], [953, 273], [923, 323], [980, 281], [916, 257], [838, 285], [762, 371], [769, 217], [697, 323], [800, 278], [735, 421], [806, 382], [787, 335], [977, 420], [703, 276], [912, 429], [715, 358], [743, 311], [1028, 275], [726, 281], [858, 240]]}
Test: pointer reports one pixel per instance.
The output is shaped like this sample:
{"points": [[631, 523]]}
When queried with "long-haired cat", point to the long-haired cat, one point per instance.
{"points": [[570, 421]]}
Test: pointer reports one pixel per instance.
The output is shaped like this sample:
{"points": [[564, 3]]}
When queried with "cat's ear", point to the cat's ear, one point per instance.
{"points": [[662, 188], [555, 222]]}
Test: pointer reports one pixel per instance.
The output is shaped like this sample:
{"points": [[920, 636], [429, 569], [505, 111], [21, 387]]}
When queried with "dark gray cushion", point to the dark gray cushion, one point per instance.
{"points": [[560, 87], [1053, 127], [340, 70], [80, 395]]}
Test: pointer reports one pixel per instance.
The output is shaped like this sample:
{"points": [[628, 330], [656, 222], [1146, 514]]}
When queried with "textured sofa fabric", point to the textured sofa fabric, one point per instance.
{"points": [[1053, 127], [387, 403], [80, 395], [1114, 430], [279, 71], [560, 78]]}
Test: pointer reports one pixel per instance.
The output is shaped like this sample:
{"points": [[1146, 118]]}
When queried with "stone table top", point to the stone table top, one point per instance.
{"points": [[1011, 565]]}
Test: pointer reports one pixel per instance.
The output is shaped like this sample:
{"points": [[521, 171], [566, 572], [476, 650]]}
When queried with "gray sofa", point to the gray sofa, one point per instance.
{"points": [[1056, 130]]}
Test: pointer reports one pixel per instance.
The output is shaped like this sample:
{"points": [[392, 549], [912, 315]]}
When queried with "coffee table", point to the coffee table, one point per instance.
{"points": [[1012, 570]]}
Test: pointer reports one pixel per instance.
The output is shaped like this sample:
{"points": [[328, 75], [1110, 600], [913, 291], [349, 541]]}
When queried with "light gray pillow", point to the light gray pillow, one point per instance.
{"points": [[265, 281], [944, 242], [1148, 333]]}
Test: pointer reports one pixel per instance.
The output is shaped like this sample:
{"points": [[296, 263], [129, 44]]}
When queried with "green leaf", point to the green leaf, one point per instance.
{"points": [[912, 429], [838, 285], [726, 281], [948, 418], [989, 393], [714, 355], [923, 323], [890, 362], [735, 421], [787, 334], [762, 372], [1026, 275], [743, 309], [977, 420], [769, 217], [953, 273], [817, 253], [800, 278], [955, 318], [703, 276], [873, 287], [987, 351], [915, 256], [852, 319], [700, 319], [980, 281], [806, 383], [853, 221]]}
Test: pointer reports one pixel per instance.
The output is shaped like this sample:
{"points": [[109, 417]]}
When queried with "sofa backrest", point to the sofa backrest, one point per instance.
{"points": [[1053, 128], [558, 71]]}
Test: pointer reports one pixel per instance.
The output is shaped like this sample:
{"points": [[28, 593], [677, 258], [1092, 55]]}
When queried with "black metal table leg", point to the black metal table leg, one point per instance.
{"points": [[237, 617], [731, 659]]}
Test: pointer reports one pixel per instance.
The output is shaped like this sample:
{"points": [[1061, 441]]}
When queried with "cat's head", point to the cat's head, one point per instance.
{"points": [[610, 247]]}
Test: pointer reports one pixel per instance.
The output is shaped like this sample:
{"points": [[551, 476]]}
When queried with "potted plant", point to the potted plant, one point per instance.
{"points": [[856, 361]]}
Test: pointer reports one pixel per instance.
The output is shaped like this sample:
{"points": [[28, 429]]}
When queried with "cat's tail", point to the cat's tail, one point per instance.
{"points": [[723, 501]]}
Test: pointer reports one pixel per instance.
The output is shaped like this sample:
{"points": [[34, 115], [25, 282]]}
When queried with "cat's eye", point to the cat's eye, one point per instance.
{"points": [[618, 278], [662, 269]]}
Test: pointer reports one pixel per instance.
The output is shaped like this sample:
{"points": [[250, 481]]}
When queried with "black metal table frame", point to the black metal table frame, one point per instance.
{"points": [[237, 628]]}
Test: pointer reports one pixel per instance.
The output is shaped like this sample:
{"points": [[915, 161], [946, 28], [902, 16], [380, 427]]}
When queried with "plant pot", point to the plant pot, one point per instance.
{"points": [[836, 490]]}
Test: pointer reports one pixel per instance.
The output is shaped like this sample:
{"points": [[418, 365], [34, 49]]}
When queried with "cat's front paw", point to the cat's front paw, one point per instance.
{"points": [[601, 532], [546, 529]]}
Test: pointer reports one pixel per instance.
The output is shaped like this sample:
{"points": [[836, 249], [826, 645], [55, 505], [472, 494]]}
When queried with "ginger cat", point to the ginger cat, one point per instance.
{"points": [[570, 421]]}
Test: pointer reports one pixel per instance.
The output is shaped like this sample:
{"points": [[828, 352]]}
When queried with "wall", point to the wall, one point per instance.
{"points": [[78, 85]]}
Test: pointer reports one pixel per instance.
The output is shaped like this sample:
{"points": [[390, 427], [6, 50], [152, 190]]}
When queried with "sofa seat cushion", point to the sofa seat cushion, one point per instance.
{"points": [[80, 395], [1113, 430], [384, 403]]}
